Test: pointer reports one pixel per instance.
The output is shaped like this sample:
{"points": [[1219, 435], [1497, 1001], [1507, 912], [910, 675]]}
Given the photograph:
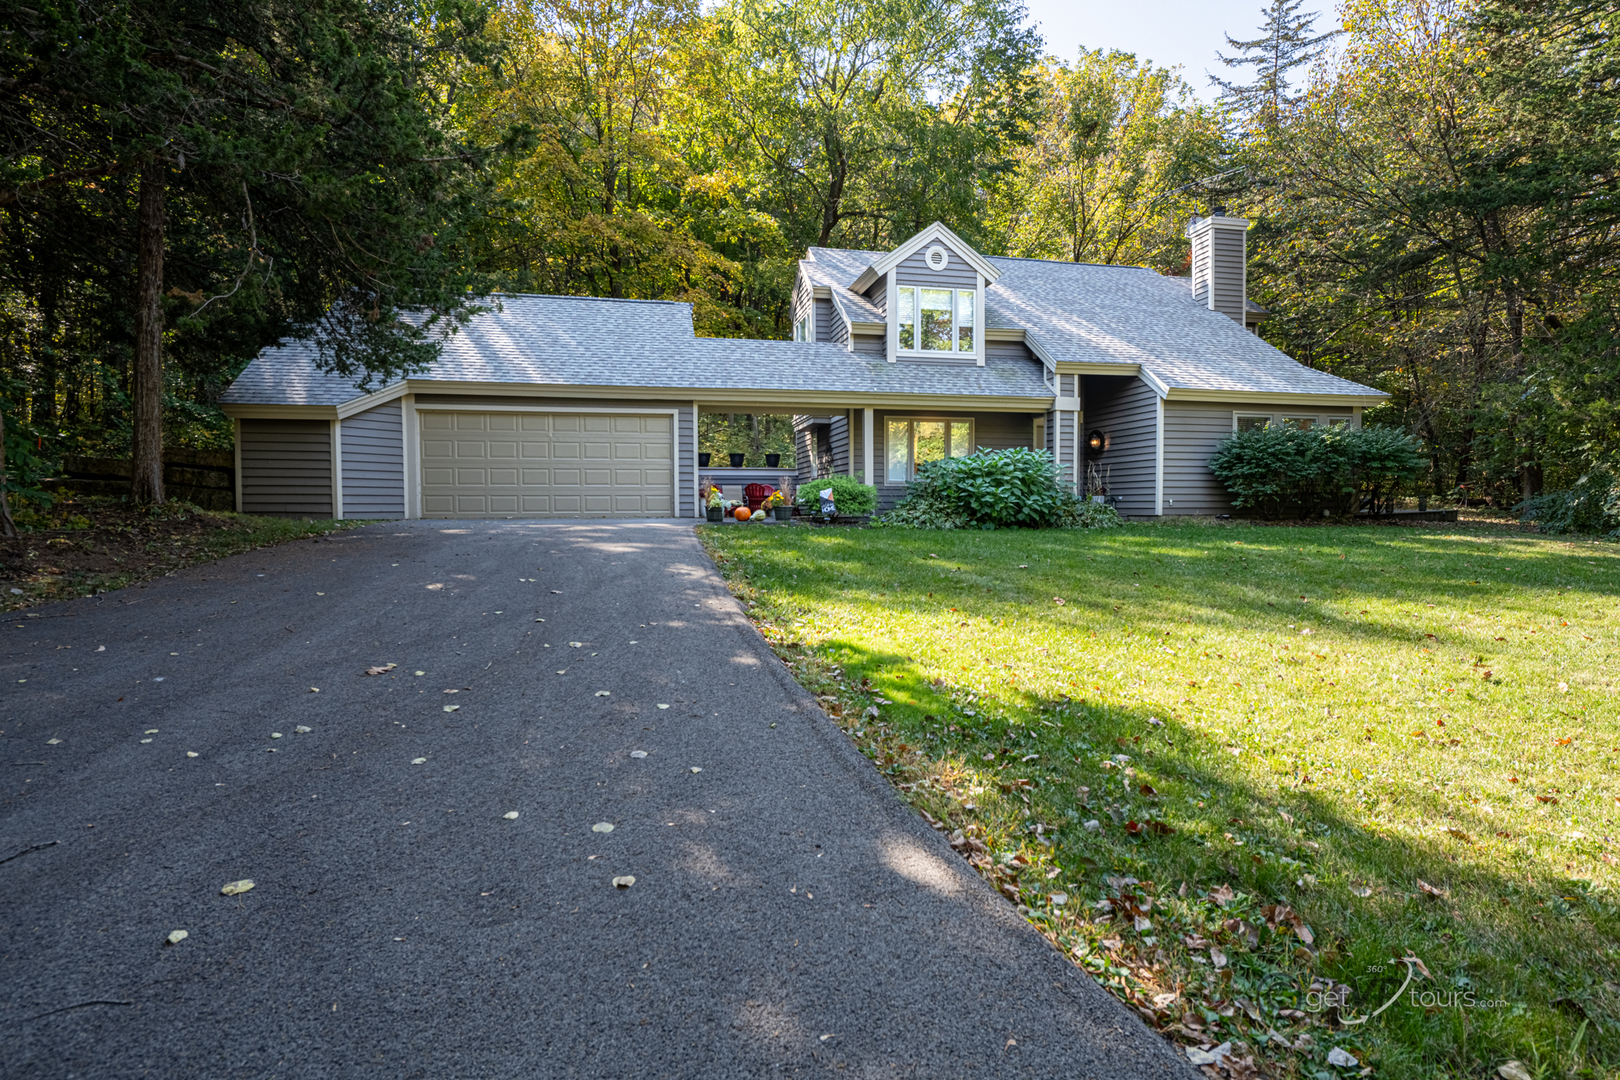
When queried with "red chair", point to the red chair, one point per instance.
{"points": [[757, 494]]}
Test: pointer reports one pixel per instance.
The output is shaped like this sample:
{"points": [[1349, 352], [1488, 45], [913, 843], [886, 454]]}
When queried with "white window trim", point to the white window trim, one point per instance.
{"points": [[911, 449], [893, 303], [1269, 418], [1316, 419]]}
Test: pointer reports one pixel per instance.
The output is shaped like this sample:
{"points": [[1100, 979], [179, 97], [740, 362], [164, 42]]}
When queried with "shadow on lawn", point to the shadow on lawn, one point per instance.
{"points": [[1539, 950]]}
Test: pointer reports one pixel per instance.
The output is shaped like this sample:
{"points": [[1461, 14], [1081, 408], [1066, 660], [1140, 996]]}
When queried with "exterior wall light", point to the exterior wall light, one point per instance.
{"points": [[1095, 443]]}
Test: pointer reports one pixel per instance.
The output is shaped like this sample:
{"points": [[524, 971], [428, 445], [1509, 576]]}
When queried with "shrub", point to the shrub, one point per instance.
{"points": [[1590, 505], [1093, 514], [1276, 470], [1015, 487], [849, 495]]}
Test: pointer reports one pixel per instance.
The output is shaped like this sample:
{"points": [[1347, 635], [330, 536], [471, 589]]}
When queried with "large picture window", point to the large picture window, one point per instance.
{"points": [[935, 320], [911, 442]]}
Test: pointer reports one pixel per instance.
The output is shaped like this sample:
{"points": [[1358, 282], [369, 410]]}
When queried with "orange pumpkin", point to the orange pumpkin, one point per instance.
{"points": [[742, 513]]}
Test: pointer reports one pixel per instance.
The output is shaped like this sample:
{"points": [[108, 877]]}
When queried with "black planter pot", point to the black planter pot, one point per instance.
{"points": [[736, 461], [704, 459], [716, 514], [784, 513], [773, 460]]}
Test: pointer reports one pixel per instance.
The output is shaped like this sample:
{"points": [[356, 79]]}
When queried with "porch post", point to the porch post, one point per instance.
{"points": [[866, 446]]}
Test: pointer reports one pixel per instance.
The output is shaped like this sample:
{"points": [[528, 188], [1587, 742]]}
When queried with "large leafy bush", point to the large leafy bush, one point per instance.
{"points": [[1590, 505], [849, 494], [1276, 471], [1000, 488]]}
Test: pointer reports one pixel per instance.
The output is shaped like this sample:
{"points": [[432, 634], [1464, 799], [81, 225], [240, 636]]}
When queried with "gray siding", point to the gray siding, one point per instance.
{"points": [[871, 344], [373, 450], [958, 274], [1067, 445], [837, 331], [878, 293], [287, 467], [1192, 431], [685, 464], [991, 431], [1008, 350], [824, 319], [1218, 257], [1125, 409], [838, 433]]}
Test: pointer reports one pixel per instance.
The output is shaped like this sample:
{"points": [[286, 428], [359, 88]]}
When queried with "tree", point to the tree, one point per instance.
{"points": [[1108, 173], [861, 123], [1286, 43], [298, 157]]}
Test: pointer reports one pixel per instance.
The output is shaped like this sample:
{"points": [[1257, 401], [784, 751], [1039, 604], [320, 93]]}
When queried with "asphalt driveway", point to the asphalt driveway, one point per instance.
{"points": [[789, 915]]}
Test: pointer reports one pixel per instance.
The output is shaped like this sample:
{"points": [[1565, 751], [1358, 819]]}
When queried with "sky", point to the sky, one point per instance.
{"points": [[1167, 32]]}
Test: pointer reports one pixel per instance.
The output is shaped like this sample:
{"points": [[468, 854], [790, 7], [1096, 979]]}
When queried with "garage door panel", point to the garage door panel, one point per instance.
{"points": [[496, 464]]}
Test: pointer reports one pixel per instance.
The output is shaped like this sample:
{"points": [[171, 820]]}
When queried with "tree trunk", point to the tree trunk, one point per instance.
{"points": [[7, 526], [146, 447]]}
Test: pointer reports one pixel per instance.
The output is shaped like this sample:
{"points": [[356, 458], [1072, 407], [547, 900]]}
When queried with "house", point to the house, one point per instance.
{"points": [[551, 406]]}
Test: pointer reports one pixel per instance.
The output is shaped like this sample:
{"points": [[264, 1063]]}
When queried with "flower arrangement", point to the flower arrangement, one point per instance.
{"points": [[775, 499], [714, 500]]}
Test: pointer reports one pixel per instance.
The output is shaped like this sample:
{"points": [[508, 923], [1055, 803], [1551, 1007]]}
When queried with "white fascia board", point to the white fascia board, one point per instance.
{"points": [[280, 412], [821, 292], [1154, 382], [1033, 344], [935, 233], [723, 399], [849, 325], [1243, 397], [1003, 333]]}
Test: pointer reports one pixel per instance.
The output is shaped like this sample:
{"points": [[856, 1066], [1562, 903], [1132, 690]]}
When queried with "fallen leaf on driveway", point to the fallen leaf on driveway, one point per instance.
{"points": [[421, 673], [604, 693], [275, 734], [150, 731], [602, 826], [452, 691], [511, 815], [696, 769], [314, 689], [625, 882], [301, 729], [451, 708], [381, 669], [53, 742], [663, 706], [576, 644], [638, 753], [191, 753], [175, 937], [419, 761], [233, 888]]}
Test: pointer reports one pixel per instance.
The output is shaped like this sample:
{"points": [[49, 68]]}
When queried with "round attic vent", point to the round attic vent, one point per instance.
{"points": [[938, 258]]}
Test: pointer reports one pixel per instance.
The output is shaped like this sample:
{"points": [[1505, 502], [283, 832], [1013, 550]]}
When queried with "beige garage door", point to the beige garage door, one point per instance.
{"points": [[494, 464]]}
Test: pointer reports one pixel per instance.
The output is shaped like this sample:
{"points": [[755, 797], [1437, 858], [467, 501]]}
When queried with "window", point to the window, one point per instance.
{"points": [[1250, 421], [935, 320], [1302, 423], [910, 443], [801, 329], [1038, 436]]}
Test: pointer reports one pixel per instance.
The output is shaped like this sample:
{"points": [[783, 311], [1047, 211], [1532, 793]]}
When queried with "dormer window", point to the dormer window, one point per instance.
{"points": [[935, 320], [801, 329]]}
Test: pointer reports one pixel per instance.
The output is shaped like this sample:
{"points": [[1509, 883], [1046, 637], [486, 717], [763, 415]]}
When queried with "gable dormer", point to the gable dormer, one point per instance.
{"points": [[931, 290]]}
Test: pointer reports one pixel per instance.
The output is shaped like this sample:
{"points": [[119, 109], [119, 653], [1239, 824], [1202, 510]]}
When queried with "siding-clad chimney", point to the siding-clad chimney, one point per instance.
{"points": [[1220, 263]]}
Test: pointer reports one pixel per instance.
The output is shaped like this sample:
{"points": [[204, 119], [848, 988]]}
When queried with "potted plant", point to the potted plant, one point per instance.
{"points": [[704, 457], [773, 461], [715, 505], [736, 461], [778, 504]]}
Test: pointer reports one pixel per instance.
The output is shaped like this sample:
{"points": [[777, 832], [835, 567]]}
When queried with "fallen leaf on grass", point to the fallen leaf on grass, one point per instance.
{"points": [[1217, 956], [1546, 799], [1208, 1057], [625, 881], [1460, 835], [233, 888], [1362, 891], [1221, 895], [1429, 890], [1342, 1058], [1059, 601], [1512, 1070]]}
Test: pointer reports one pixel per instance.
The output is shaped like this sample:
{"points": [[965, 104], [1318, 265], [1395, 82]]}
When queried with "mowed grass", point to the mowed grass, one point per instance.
{"points": [[1385, 743]]}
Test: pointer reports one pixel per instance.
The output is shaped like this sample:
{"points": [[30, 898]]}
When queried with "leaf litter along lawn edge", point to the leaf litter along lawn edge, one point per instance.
{"points": [[87, 546], [1384, 743]]}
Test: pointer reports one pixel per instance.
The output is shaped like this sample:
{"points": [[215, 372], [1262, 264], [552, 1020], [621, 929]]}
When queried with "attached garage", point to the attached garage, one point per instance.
{"points": [[478, 464]]}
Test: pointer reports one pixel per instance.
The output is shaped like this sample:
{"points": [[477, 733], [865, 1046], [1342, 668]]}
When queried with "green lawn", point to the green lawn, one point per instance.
{"points": [[1383, 743]]}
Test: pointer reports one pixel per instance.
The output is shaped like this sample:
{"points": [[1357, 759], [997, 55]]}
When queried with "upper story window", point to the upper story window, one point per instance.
{"points": [[801, 329], [935, 320]]}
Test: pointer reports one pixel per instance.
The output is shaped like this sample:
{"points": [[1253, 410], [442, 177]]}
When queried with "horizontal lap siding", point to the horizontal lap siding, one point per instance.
{"points": [[958, 274], [1226, 271], [837, 332], [870, 344], [685, 464], [1124, 409], [839, 436], [373, 449], [1192, 431], [879, 294], [287, 467], [1009, 350], [824, 321]]}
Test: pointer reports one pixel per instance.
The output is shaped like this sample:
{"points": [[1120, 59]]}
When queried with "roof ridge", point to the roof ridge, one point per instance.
{"points": [[602, 299], [1066, 262]]}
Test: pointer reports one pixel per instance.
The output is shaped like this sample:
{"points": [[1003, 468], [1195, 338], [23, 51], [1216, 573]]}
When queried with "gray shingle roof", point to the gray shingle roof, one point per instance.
{"points": [[1093, 314], [578, 341]]}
